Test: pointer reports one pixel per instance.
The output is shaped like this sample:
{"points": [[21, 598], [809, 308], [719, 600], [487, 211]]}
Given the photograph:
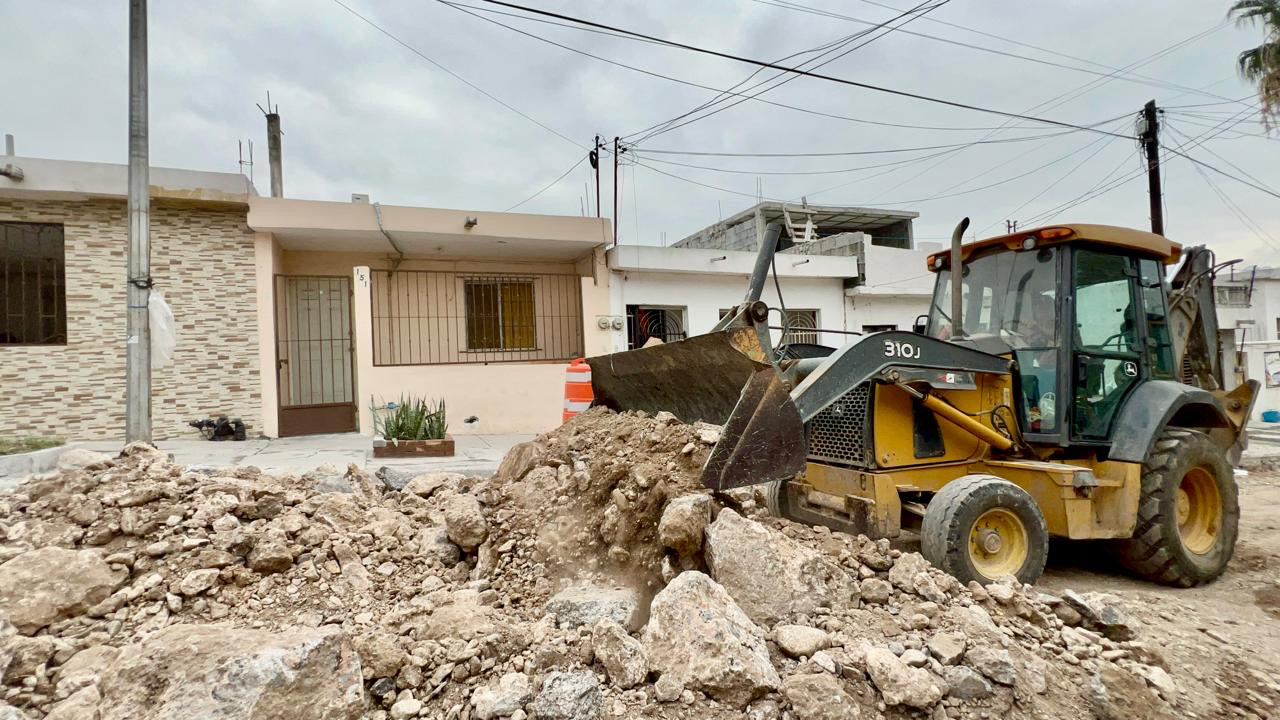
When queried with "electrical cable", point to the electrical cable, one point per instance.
{"points": [[680, 81], [1130, 77], [702, 153], [640, 151], [552, 184], [914, 13], [816, 76], [456, 76]]}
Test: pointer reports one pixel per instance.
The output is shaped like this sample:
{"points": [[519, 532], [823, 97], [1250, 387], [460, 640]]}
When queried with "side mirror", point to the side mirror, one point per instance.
{"points": [[921, 325]]}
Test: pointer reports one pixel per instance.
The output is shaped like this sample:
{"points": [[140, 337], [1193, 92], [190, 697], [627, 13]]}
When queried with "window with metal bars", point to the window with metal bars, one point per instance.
{"points": [[426, 317], [33, 296]]}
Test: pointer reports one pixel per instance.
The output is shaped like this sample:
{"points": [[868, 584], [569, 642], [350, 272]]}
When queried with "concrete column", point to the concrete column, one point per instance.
{"points": [[266, 257], [362, 342]]}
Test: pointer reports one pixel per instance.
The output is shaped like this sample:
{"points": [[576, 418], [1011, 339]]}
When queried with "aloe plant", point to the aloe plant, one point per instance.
{"points": [[411, 419]]}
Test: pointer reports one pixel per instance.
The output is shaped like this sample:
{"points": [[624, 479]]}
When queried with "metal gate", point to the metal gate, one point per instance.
{"points": [[314, 356]]}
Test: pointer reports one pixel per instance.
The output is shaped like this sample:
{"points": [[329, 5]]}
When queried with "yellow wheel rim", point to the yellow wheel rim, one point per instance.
{"points": [[998, 543], [1199, 509]]}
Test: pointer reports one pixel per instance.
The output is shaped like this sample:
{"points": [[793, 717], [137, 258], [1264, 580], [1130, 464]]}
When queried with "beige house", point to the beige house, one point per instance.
{"points": [[297, 316], [363, 303]]}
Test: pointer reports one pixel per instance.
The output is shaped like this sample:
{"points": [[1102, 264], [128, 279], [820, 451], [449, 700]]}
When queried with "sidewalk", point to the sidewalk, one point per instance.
{"points": [[476, 454]]}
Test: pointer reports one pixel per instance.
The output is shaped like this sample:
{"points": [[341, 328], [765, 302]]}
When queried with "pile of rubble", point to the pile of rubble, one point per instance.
{"points": [[591, 577]]}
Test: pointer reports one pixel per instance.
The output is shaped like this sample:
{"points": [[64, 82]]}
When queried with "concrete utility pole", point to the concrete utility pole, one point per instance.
{"points": [[615, 191], [1151, 144], [138, 345], [273, 151]]}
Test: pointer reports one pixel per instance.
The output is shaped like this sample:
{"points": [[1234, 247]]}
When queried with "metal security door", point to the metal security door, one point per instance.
{"points": [[314, 358]]}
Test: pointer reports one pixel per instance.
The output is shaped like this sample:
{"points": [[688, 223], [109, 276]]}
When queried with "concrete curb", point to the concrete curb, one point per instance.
{"points": [[36, 461]]}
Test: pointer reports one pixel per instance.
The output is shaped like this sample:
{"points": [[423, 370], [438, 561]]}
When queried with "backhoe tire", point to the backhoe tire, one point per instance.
{"points": [[980, 527], [1188, 513]]}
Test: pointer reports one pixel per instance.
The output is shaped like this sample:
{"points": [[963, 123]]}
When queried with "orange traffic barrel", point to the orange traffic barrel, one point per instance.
{"points": [[577, 388]]}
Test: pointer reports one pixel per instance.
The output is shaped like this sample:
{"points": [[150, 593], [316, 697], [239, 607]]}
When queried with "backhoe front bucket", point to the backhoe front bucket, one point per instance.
{"points": [[763, 439], [696, 379]]}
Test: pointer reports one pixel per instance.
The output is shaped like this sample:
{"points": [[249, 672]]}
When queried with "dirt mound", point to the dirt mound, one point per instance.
{"points": [[590, 577]]}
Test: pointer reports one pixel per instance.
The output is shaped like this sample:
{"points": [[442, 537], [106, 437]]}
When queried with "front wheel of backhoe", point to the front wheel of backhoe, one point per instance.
{"points": [[980, 527], [1188, 513]]}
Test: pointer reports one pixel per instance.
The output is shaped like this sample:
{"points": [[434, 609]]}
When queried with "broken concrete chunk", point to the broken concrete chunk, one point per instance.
{"points": [[965, 683], [621, 655], [41, 586], [683, 521], [994, 663], [585, 606], [800, 640], [819, 696], [465, 522], [899, 684], [501, 699], [570, 696], [770, 575], [233, 674], [700, 637]]}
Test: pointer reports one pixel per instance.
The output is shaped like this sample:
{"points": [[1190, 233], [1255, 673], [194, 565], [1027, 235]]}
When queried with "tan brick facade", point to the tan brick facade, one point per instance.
{"points": [[203, 261]]}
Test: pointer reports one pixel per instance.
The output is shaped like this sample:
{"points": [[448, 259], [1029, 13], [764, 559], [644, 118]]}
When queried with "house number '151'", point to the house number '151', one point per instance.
{"points": [[893, 348]]}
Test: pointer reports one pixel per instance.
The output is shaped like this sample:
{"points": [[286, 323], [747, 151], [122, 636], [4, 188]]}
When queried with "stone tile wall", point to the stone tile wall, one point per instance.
{"points": [[202, 259]]}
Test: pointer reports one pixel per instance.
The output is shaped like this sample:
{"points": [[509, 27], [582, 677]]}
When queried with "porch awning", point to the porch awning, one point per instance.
{"points": [[426, 232]]}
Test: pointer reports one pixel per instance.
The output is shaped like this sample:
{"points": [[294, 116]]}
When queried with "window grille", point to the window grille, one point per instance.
{"points": [[33, 293]]}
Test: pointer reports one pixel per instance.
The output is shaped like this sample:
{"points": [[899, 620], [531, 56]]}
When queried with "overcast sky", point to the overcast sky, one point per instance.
{"points": [[362, 113]]}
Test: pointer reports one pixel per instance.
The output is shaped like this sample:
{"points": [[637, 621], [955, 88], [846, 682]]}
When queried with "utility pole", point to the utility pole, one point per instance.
{"points": [[1150, 137], [273, 150], [595, 165], [615, 191], [138, 345]]}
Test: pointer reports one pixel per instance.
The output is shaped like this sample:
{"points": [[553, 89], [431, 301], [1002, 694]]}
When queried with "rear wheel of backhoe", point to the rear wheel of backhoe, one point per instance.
{"points": [[1188, 513], [981, 527]]}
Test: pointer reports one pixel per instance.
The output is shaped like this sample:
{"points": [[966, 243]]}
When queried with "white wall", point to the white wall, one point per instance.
{"points": [[885, 310], [703, 295], [1268, 397]]}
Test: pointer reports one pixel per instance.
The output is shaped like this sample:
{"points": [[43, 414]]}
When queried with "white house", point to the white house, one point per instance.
{"points": [[1248, 302], [851, 270]]}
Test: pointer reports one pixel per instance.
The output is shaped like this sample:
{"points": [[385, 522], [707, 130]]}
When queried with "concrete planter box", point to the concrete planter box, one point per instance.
{"points": [[413, 448], [37, 461]]}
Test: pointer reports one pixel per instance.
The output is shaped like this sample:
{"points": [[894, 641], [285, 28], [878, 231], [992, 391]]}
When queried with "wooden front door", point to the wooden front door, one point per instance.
{"points": [[314, 356]]}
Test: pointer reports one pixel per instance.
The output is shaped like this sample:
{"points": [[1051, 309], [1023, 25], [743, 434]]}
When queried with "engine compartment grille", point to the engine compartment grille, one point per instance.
{"points": [[841, 433]]}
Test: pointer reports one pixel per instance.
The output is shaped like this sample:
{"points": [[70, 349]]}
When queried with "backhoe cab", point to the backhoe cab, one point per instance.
{"points": [[1061, 387]]}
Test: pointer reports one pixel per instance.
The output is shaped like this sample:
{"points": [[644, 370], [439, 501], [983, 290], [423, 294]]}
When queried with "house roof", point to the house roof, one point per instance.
{"points": [[419, 232], [73, 179]]}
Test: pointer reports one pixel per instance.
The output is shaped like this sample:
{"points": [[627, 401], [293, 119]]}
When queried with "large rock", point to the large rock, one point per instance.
{"points": [[1117, 694], [82, 459], [502, 699], [899, 684], [1102, 612], [520, 459], [41, 586], [947, 647], [699, 635], [465, 522], [770, 575], [85, 667], [800, 640], [9, 712], [820, 696], [683, 521], [995, 663], [210, 671], [584, 606], [570, 696], [425, 485], [380, 654], [965, 683], [81, 705], [622, 655]]}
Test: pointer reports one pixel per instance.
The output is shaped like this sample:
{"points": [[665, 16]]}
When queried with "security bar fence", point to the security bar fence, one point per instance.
{"points": [[427, 317], [33, 291]]}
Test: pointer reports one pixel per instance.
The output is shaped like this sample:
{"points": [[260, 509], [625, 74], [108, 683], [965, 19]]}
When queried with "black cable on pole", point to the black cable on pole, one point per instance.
{"points": [[549, 185], [455, 75], [817, 76], [835, 116]]}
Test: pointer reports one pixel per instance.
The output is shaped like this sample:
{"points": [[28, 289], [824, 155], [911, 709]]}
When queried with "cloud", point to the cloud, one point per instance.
{"points": [[363, 114]]}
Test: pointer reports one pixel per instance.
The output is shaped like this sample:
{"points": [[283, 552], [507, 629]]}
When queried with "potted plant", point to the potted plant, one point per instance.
{"points": [[412, 427]]}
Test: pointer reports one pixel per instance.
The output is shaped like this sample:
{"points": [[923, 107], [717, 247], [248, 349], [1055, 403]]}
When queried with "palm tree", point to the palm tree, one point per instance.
{"points": [[1262, 64]]}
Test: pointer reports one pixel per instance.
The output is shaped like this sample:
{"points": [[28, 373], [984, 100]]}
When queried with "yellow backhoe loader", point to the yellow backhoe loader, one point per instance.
{"points": [[1061, 386]]}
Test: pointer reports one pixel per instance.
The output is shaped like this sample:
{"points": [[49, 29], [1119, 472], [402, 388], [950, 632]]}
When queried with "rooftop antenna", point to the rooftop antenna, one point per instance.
{"points": [[246, 163]]}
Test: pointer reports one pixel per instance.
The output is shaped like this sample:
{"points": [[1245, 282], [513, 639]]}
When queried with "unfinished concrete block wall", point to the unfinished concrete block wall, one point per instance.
{"points": [[202, 260]]}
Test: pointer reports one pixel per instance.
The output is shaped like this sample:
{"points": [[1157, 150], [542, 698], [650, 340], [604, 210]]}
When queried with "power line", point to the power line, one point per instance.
{"points": [[681, 81], [1014, 212], [455, 75], [701, 153], [817, 76], [1130, 77], [550, 185], [914, 13], [838, 171], [1224, 173]]}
